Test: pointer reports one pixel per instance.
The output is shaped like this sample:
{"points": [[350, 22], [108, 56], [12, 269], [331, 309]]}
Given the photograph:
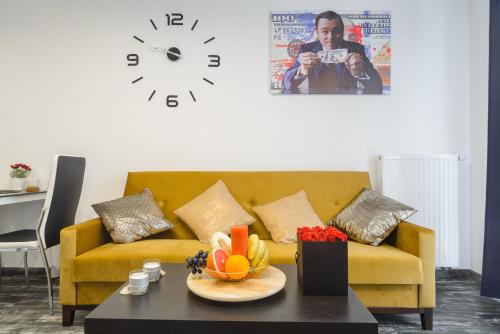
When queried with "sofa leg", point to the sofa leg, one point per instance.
{"points": [[426, 316], [68, 315]]}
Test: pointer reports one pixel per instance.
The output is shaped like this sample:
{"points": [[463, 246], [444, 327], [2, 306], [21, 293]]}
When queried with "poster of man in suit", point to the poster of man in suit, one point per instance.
{"points": [[330, 53]]}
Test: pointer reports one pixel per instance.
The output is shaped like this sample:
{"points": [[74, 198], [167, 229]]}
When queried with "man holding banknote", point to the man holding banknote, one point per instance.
{"points": [[332, 64]]}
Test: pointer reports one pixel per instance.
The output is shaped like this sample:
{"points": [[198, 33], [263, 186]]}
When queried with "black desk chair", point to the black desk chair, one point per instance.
{"points": [[63, 195]]}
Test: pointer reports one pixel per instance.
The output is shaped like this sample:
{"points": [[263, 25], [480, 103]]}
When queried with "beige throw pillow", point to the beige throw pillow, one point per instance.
{"points": [[282, 217], [215, 210]]}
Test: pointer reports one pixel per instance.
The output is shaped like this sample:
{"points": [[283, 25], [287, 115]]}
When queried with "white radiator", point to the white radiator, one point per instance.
{"points": [[429, 184]]}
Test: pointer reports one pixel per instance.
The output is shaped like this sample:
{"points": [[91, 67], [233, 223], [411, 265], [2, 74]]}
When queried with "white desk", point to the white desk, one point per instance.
{"points": [[22, 197]]}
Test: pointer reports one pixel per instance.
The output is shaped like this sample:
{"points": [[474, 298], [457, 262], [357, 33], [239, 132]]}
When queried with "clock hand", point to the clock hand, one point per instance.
{"points": [[156, 48], [173, 53], [163, 50]]}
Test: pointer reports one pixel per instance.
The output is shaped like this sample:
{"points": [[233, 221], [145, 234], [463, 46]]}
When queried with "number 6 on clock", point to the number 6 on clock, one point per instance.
{"points": [[172, 101]]}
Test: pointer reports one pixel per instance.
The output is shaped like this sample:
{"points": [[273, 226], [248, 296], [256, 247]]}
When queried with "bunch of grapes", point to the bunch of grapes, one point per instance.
{"points": [[198, 262]]}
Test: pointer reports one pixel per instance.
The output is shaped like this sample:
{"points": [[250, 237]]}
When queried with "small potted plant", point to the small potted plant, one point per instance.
{"points": [[18, 174], [322, 261]]}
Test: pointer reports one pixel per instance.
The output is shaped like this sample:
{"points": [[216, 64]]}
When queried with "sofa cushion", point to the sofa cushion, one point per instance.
{"points": [[327, 191], [112, 262], [367, 264]]}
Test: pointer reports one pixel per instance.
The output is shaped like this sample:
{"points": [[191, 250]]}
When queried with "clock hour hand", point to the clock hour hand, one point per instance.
{"points": [[177, 55]]}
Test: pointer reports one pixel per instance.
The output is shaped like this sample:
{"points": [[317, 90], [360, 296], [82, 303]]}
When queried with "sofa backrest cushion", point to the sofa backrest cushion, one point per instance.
{"points": [[327, 191]]}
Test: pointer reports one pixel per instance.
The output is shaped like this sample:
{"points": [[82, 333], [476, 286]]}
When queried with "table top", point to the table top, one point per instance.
{"points": [[170, 303], [22, 196]]}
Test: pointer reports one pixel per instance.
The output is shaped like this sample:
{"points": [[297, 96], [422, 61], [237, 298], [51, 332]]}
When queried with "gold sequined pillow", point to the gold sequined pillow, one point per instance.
{"points": [[132, 217], [370, 217], [283, 216], [215, 210]]}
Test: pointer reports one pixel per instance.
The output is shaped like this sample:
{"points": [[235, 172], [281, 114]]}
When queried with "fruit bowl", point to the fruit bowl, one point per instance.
{"points": [[233, 259], [236, 276]]}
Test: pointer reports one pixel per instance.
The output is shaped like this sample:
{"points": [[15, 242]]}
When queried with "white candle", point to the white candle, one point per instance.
{"points": [[138, 277], [138, 282], [152, 267]]}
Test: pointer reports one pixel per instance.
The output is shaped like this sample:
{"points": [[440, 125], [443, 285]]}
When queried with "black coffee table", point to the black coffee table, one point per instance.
{"points": [[169, 307]]}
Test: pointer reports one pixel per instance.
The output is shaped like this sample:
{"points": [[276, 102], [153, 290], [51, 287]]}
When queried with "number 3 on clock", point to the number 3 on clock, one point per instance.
{"points": [[214, 61]]}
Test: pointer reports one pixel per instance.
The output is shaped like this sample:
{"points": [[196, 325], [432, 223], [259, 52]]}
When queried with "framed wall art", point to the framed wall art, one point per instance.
{"points": [[327, 52]]}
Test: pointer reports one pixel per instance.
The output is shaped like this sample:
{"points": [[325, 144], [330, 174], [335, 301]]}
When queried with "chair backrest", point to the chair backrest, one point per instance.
{"points": [[63, 195]]}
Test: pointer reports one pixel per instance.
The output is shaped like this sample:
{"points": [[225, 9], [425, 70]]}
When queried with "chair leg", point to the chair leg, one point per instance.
{"points": [[49, 279], [426, 318], [26, 274]]}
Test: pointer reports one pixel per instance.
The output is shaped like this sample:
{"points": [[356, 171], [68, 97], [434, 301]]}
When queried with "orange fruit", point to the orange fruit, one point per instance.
{"points": [[216, 262], [237, 266]]}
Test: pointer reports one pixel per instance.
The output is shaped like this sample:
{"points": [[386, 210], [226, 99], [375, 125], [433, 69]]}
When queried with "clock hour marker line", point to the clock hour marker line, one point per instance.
{"points": [[210, 82], [209, 40], [154, 25], [137, 80], [194, 25], [152, 94], [137, 38], [192, 95]]}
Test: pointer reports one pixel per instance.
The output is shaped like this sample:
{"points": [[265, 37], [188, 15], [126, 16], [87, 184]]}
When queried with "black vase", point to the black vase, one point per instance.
{"points": [[322, 268]]}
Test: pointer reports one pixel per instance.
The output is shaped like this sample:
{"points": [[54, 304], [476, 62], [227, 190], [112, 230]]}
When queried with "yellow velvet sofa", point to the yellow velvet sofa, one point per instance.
{"points": [[397, 276]]}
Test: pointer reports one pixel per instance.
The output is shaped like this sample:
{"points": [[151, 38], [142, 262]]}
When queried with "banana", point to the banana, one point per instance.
{"points": [[265, 260], [253, 245], [260, 253], [262, 265]]}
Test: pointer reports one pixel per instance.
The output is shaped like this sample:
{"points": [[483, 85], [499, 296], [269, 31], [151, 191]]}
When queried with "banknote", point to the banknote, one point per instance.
{"points": [[333, 56]]}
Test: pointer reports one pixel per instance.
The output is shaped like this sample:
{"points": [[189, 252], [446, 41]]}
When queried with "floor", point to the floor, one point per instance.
{"points": [[460, 310]]}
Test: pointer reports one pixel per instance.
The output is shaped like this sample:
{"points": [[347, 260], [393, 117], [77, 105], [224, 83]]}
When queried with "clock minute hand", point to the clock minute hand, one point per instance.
{"points": [[156, 48], [163, 50]]}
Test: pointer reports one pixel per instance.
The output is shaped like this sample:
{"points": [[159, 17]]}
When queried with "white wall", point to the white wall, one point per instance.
{"points": [[479, 48], [66, 88]]}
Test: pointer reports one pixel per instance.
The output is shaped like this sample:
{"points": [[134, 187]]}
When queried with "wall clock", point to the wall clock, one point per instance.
{"points": [[173, 60]]}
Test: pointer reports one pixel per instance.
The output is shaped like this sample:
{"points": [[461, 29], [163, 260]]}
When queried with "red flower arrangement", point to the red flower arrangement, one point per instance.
{"points": [[318, 233], [23, 166], [19, 170]]}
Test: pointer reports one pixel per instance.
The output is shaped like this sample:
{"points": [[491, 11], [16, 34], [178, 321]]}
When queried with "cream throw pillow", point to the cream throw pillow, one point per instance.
{"points": [[282, 217], [215, 210]]}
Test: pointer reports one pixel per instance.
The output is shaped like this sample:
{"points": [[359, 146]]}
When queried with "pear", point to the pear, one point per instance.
{"points": [[253, 245], [260, 253]]}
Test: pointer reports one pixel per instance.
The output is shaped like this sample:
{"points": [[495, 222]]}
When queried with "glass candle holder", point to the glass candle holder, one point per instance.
{"points": [[152, 267], [32, 183], [138, 282]]}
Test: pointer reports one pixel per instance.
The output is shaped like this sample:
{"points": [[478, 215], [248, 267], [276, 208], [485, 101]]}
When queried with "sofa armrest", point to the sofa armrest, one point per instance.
{"points": [[75, 240], [420, 241]]}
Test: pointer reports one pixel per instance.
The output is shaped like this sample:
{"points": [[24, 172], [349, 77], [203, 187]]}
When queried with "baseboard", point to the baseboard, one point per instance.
{"points": [[450, 273], [16, 271]]}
